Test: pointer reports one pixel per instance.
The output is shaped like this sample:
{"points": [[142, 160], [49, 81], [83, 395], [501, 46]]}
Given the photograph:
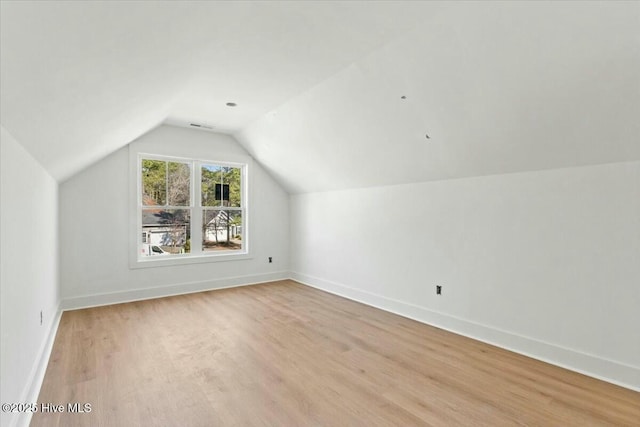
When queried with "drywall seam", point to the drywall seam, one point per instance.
{"points": [[36, 377], [607, 370], [95, 300]]}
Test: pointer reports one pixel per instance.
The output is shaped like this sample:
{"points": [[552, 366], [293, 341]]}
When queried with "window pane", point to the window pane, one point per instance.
{"points": [[233, 178], [179, 184], [154, 182], [221, 230], [211, 181], [167, 232]]}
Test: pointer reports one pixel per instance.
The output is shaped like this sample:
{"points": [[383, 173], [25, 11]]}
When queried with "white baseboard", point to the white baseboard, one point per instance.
{"points": [[36, 376], [607, 370], [130, 295]]}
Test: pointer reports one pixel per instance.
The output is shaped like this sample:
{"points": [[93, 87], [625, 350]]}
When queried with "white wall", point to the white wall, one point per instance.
{"points": [[94, 227], [29, 273], [545, 263]]}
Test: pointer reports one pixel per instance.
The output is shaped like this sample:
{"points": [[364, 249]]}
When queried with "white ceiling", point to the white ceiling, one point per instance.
{"points": [[499, 87]]}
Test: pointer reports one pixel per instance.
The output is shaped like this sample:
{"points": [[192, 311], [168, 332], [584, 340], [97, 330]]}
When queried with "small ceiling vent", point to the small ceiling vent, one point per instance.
{"points": [[197, 125]]}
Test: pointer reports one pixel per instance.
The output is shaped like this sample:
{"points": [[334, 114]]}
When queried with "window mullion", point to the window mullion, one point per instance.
{"points": [[166, 183], [196, 210]]}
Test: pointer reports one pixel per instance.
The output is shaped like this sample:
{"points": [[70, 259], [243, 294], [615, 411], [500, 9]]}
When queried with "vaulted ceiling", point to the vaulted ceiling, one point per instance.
{"points": [[330, 95]]}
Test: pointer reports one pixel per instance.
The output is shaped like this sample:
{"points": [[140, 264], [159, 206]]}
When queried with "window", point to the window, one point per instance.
{"points": [[190, 208], [221, 199]]}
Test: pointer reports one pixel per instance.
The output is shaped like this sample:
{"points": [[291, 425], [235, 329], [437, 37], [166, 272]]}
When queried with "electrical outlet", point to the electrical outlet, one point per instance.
{"points": [[438, 290], [270, 260]]}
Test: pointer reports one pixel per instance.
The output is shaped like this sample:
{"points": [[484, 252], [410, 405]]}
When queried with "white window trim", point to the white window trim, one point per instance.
{"points": [[135, 219]]}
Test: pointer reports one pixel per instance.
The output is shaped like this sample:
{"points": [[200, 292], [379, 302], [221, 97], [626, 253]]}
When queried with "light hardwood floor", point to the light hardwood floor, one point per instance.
{"points": [[283, 354]]}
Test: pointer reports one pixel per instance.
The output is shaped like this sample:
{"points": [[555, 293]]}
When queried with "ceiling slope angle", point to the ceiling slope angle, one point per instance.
{"points": [[497, 87], [81, 79]]}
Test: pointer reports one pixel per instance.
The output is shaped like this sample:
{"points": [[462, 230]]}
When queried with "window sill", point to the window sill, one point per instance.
{"points": [[167, 261]]}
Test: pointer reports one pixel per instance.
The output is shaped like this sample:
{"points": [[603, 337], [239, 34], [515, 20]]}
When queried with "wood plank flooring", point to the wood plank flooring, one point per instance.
{"points": [[283, 354]]}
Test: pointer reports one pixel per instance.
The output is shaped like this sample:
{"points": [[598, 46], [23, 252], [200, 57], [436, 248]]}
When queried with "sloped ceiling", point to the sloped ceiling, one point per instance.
{"points": [[498, 87], [80, 79]]}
